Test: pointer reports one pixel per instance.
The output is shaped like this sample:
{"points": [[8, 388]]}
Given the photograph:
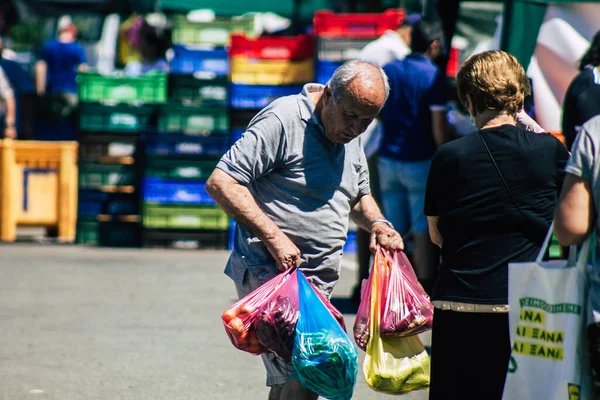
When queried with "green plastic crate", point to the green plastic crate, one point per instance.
{"points": [[176, 118], [182, 169], [193, 90], [111, 232], [97, 176], [150, 88], [87, 231], [157, 216], [555, 250], [215, 32], [120, 118]]}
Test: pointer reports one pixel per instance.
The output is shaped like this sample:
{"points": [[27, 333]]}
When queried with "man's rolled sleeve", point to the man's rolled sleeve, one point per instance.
{"points": [[260, 150], [581, 161], [364, 186]]}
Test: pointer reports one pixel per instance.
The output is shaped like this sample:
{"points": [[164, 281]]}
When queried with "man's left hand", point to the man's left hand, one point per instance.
{"points": [[386, 237]]}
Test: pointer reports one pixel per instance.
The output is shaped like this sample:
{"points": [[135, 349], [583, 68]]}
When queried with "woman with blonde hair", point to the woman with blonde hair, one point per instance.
{"points": [[489, 201]]}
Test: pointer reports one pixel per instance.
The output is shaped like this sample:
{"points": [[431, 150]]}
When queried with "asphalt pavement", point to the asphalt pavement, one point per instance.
{"points": [[84, 323]]}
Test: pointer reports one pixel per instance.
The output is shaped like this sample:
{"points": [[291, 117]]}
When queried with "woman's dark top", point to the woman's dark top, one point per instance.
{"points": [[582, 102], [481, 228]]}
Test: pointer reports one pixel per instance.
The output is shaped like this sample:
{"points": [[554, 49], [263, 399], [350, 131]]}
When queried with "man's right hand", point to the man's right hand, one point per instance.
{"points": [[284, 251]]}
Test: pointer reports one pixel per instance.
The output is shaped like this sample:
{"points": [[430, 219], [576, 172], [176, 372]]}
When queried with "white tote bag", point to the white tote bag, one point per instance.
{"points": [[548, 319]]}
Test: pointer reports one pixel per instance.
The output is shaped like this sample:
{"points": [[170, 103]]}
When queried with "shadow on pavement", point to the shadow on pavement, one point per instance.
{"points": [[346, 305]]}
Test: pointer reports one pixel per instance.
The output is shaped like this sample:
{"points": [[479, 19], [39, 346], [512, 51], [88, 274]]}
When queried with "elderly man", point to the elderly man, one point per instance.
{"points": [[292, 181]]}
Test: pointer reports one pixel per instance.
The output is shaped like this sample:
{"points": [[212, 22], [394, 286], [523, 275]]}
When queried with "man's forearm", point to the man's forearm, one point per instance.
{"points": [[235, 199], [11, 110], [365, 211], [40, 77]]}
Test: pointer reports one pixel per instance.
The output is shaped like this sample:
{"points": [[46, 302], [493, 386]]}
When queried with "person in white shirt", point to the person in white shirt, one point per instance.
{"points": [[392, 45]]}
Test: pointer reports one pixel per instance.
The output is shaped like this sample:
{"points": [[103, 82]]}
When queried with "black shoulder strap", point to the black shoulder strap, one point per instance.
{"points": [[501, 176]]}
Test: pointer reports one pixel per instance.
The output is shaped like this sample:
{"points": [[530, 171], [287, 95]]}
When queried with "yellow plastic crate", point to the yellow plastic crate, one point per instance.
{"points": [[270, 72], [38, 187]]}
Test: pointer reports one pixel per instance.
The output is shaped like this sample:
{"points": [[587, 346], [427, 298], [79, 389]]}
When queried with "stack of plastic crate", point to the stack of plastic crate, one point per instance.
{"points": [[114, 111], [192, 134], [264, 69], [341, 37]]}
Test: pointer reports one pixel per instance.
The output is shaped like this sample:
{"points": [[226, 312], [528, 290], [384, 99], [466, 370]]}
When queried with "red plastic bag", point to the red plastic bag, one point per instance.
{"points": [[405, 307], [239, 319], [265, 320]]}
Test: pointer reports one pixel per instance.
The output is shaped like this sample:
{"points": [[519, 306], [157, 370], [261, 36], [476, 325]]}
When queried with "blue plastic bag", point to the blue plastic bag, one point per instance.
{"points": [[324, 356]]}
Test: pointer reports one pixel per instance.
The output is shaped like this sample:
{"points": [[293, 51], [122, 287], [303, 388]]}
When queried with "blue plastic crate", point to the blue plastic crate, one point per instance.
{"points": [[92, 203], [182, 145], [160, 191], [232, 228], [259, 96], [204, 61], [325, 69], [351, 247], [236, 134]]}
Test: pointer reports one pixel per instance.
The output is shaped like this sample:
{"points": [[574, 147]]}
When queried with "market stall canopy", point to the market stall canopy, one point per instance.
{"points": [[238, 7], [52, 8], [522, 22]]}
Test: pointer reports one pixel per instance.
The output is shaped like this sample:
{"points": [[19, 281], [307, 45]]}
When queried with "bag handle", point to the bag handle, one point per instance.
{"points": [[544, 247], [572, 260]]}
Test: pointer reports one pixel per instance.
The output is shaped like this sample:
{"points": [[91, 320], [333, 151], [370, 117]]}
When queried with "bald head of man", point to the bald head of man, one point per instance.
{"points": [[352, 99]]}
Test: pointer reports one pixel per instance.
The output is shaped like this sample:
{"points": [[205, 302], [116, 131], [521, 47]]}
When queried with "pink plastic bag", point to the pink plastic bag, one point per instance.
{"points": [[405, 307], [265, 320], [240, 319]]}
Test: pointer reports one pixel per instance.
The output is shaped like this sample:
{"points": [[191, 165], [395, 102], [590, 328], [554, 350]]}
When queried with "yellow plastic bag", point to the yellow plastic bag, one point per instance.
{"points": [[392, 365]]}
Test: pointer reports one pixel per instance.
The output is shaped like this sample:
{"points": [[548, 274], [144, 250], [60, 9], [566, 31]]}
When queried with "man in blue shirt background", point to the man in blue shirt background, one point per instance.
{"points": [[414, 126], [56, 73]]}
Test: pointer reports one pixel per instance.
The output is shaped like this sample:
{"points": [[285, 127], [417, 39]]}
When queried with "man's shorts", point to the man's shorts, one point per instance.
{"points": [[278, 371]]}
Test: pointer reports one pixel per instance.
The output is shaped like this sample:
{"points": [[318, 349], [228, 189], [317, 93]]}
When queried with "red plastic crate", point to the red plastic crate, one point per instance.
{"points": [[453, 62], [327, 23], [272, 48]]}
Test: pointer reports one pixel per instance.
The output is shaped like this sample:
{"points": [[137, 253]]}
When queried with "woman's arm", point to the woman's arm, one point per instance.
{"points": [[573, 215], [434, 232]]}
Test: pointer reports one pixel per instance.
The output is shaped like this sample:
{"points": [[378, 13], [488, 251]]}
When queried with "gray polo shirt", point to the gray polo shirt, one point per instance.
{"points": [[302, 181]]}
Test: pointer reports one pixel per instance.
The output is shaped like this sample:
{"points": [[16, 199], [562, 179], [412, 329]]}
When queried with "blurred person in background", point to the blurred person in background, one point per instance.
{"points": [[8, 109], [582, 100], [153, 39], [414, 126], [489, 202], [392, 45], [56, 84], [24, 93]]}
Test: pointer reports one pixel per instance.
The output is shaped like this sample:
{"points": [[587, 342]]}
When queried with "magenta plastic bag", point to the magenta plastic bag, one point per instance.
{"points": [[265, 320], [276, 325], [405, 307], [263, 304]]}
